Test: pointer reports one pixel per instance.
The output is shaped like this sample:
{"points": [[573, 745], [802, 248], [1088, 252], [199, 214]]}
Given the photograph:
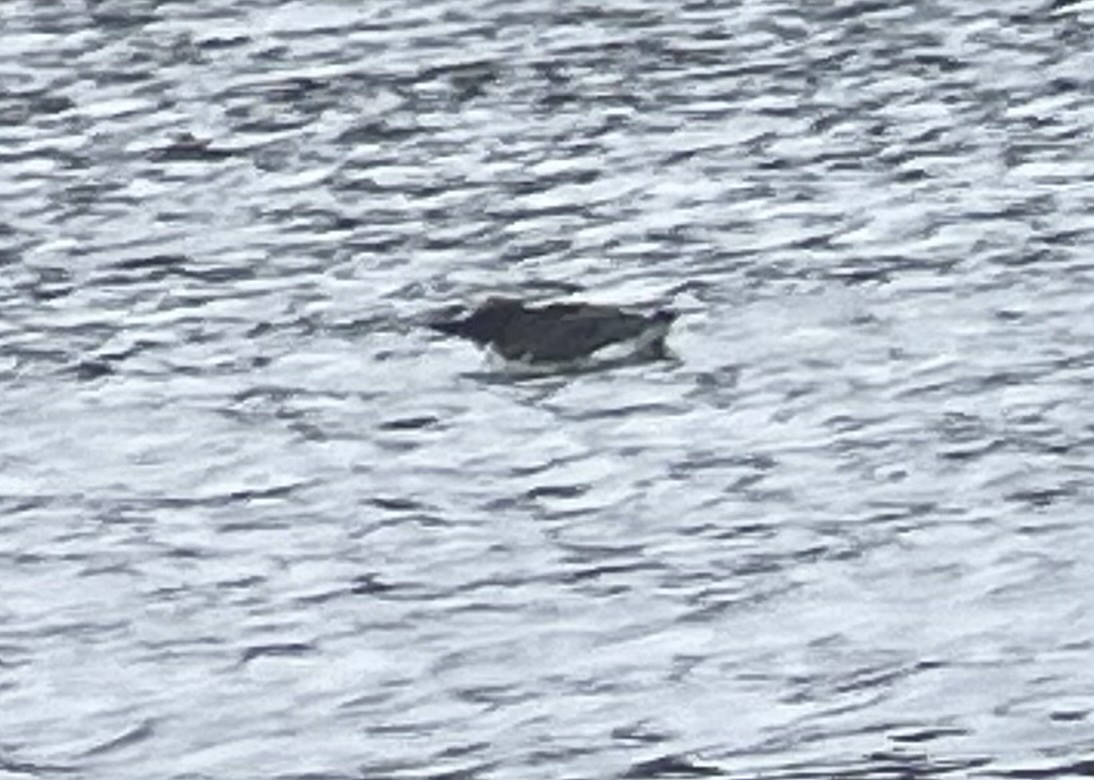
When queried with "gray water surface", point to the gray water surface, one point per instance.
{"points": [[256, 521]]}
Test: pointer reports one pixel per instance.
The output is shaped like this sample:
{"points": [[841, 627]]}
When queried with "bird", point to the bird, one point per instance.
{"points": [[560, 332]]}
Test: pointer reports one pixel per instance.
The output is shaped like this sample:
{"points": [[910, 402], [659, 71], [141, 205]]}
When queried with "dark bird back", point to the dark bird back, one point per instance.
{"points": [[560, 332]]}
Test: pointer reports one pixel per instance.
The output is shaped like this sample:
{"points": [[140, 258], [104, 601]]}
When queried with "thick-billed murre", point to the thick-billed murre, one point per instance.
{"points": [[560, 332]]}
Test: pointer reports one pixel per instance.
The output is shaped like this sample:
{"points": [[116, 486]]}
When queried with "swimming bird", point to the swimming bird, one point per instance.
{"points": [[560, 332]]}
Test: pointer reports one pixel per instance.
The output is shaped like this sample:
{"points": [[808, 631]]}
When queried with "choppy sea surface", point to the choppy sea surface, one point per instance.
{"points": [[257, 521]]}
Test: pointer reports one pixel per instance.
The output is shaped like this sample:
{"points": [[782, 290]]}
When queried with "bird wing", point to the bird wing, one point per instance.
{"points": [[564, 332]]}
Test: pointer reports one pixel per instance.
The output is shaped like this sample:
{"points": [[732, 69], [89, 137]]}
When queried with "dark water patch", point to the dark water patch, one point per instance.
{"points": [[929, 64], [152, 267], [493, 695], [410, 423], [468, 80], [332, 595], [545, 757], [14, 505], [186, 147], [697, 462], [464, 236], [34, 768], [1025, 257], [90, 197], [18, 108], [216, 275], [216, 42], [311, 220], [249, 119], [90, 370], [397, 504], [493, 587], [1065, 237], [534, 249], [395, 130], [240, 584], [380, 244], [370, 585], [353, 328], [556, 491], [48, 283], [396, 770], [672, 766], [86, 631], [1069, 716], [223, 499], [711, 605], [608, 571], [972, 452], [279, 650], [134, 736], [113, 20], [743, 529], [299, 94], [543, 182], [25, 357], [277, 400], [189, 554], [1041, 498], [136, 348], [654, 409], [1083, 768]]}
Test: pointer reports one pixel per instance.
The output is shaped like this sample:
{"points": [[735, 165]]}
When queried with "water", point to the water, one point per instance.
{"points": [[258, 522]]}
